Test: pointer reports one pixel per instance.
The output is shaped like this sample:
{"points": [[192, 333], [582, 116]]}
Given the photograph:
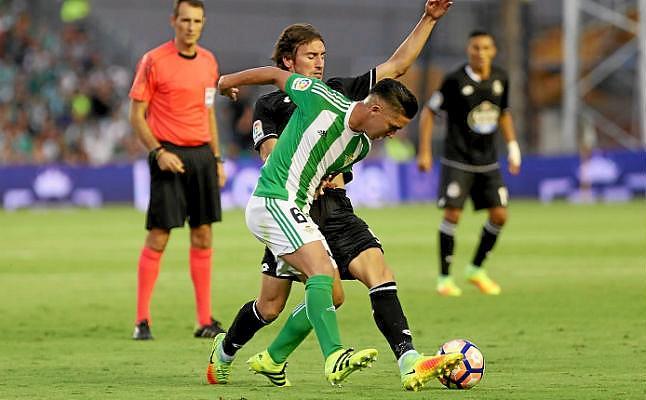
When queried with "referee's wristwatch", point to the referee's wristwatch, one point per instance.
{"points": [[157, 151]]}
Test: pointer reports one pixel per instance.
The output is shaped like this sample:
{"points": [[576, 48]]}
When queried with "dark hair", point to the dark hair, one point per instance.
{"points": [[290, 39], [397, 96], [479, 32], [192, 3]]}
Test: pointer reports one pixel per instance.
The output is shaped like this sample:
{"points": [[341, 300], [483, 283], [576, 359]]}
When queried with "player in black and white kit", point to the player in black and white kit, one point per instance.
{"points": [[475, 101], [357, 252]]}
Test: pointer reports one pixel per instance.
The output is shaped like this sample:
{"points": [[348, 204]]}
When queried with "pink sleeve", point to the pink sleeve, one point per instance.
{"points": [[143, 85]]}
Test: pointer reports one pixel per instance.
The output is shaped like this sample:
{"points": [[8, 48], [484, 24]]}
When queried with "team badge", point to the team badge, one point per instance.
{"points": [[497, 87], [348, 159], [483, 119], [468, 90], [301, 84], [257, 130]]}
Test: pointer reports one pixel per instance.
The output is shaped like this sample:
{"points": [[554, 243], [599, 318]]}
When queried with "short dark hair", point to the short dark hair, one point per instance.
{"points": [[290, 39], [192, 3], [397, 96], [481, 32]]}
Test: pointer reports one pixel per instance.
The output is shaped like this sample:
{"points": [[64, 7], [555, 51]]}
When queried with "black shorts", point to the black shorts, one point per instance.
{"points": [[193, 195], [486, 189], [345, 233]]}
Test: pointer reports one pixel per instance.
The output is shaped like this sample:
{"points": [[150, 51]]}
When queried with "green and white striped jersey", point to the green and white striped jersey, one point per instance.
{"points": [[317, 141]]}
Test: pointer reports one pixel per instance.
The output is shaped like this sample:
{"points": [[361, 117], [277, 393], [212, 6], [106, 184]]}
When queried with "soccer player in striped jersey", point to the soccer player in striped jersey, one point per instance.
{"points": [[326, 134], [358, 253]]}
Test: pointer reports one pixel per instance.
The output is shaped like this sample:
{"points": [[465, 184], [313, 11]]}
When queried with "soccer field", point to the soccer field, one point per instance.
{"points": [[570, 323]]}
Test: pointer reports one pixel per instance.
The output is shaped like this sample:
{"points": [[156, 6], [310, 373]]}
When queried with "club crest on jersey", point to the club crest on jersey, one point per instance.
{"points": [[257, 130], [348, 159], [301, 84], [468, 90], [483, 119]]}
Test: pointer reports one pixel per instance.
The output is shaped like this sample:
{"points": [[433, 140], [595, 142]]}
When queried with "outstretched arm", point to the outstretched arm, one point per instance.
{"points": [[228, 84], [409, 50]]}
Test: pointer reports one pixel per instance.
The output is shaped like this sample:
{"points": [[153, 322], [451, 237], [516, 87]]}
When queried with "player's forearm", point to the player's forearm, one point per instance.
{"points": [[213, 128], [408, 50], [266, 148], [425, 131], [506, 124], [255, 76], [141, 128], [513, 149]]}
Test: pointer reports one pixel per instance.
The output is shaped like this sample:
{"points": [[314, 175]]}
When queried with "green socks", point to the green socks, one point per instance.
{"points": [[318, 312], [321, 313], [295, 330]]}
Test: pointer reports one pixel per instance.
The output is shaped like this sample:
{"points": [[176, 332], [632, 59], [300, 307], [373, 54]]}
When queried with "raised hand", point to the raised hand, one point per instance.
{"points": [[226, 90], [437, 8]]}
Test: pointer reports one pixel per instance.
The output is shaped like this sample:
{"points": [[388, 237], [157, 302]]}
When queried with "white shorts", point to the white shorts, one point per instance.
{"points": [[283, 228]]}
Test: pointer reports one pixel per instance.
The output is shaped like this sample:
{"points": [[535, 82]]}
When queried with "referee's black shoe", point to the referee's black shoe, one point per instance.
{"points": [[209, 331], [142, 331]]}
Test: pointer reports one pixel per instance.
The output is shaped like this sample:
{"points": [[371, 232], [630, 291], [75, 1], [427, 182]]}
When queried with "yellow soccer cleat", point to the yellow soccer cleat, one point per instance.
{"points": [[263, 364], [218, 370], [446, 287], [418, 369], [342, 363], [481, 280]]}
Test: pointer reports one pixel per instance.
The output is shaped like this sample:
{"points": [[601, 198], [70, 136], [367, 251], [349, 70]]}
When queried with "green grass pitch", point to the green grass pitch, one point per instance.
{"points": [[570, 323]]}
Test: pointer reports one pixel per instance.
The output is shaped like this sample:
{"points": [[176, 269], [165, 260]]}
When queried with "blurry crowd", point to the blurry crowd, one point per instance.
{"points": [[62, 102], [59, 100]]}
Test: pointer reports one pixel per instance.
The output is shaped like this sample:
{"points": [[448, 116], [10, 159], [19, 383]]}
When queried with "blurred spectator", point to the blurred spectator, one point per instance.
{"points": [[60, 101], [74, 10], [49, 145]]}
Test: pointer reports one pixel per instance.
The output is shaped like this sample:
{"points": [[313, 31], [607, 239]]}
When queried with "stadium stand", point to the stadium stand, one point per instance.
{"points": [[61, 101]]}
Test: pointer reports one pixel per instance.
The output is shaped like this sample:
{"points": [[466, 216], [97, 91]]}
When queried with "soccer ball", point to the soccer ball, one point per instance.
{"points": [[471, 369]]}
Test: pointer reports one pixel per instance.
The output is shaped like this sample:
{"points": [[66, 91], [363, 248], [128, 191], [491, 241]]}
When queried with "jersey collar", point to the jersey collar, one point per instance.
{"points": [[184, 56], [346, 120], [472, 74]]}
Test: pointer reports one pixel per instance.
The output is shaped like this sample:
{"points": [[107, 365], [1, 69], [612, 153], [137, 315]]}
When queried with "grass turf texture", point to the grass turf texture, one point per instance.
{"points": [[570, 323]]}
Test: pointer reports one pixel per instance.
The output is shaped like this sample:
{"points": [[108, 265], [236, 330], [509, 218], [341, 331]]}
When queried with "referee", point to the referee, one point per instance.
{"points": [[172, 112]]}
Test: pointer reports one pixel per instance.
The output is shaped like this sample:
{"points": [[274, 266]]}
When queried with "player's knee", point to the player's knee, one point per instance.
{"points": [[201, 237], [269, 310], [500, 221], [452, 215], [498, 217], [371, 269], [157, 240]]}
